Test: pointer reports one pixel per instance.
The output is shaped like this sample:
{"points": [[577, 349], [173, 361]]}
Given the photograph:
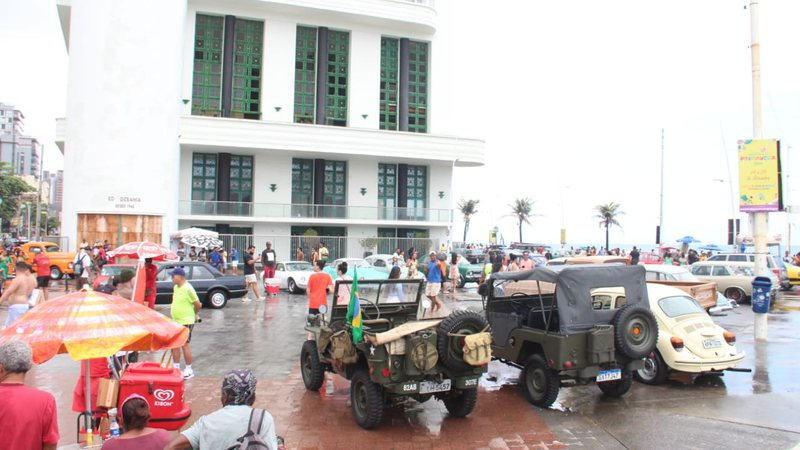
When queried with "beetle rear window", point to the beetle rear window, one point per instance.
{"points": [[680, 306]]}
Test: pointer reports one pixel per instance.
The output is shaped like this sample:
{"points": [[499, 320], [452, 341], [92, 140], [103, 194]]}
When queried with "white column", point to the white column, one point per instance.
{"points": [[123, 103]]}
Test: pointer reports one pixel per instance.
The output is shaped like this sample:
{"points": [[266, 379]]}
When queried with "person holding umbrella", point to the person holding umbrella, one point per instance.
{"points": [[150, 272], [185, 308]]}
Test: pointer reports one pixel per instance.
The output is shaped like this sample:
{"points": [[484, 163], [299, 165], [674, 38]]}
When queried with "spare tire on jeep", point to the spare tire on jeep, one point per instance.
{"points": [[450, 337], [635, 331]]}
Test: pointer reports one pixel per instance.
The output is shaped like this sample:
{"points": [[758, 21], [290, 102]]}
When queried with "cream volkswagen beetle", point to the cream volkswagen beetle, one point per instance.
{"points": [[688, 339]]}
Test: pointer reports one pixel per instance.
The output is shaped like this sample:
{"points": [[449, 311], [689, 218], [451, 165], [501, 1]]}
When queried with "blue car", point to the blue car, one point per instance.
{"points": [[365, 270]]}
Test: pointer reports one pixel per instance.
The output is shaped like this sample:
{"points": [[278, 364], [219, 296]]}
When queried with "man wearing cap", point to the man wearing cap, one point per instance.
{"points": [[185, 307], [223, 427]]}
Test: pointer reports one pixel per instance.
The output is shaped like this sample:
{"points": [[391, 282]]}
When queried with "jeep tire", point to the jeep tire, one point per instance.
{"points": [[460, 403], [366, 400], [539, 382], [617, 388], [311, 367], [451, 348], [635, 331]]}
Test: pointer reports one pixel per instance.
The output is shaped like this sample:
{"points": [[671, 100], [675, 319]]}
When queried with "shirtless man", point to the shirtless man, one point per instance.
{"points": [[18, 293]]}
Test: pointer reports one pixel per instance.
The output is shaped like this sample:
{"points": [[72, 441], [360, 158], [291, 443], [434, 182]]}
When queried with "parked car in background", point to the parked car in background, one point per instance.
{"points": [[688, 339], [293, 275], [650, 258], [213, 288], [365, 270], [60, 262], [108, 272], [468, 272], [734, 279], [383, 263], [776, 265], [705, 292], [793, 272], [578, 260]]}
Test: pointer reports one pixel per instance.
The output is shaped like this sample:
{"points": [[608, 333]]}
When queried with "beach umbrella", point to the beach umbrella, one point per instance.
{"points": [[688, 240], [202, 241], [143, 250], [711, 247], [186, 232], [88, 324]]}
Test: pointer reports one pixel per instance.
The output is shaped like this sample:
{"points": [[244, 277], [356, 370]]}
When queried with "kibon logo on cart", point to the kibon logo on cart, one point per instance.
{"points": [[163, 397]]}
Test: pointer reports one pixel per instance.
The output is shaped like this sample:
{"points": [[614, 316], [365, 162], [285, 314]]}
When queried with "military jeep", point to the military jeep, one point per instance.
{"points": [[402, 354], [548, 323]]}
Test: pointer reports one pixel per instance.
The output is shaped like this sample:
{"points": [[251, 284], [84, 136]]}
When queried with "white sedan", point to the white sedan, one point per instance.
{"points": [[293, 275], [688, 339]]}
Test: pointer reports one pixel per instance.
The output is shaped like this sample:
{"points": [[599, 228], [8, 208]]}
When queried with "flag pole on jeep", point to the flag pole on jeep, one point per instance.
{"points": [[354, 310]]}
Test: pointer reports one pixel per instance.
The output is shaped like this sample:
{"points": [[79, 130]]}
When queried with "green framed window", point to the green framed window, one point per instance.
{"points": [[207, 71], [335, 179], [387, 185], [417, 190], [418, 87], [241, 184], [338, 61], [305, 74], [247, 50], [390, 73], [204, 177], [302, 187]]}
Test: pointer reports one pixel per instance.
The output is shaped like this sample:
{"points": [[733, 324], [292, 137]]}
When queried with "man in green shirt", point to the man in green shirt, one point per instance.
{"points": [[184, 310]]}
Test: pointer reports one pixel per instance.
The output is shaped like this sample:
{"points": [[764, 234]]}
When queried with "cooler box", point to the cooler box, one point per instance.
{"points": [[163, 388], [273, 286]]}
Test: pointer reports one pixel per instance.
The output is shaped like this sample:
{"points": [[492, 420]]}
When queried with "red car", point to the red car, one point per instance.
{"points": [[650, 258], [108, 272]]}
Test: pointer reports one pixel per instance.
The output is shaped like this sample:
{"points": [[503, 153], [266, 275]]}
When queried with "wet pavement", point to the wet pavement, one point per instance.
{"points": [[739, 410]]}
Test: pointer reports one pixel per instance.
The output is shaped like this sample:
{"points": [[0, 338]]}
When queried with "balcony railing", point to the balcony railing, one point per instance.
{"points": [[289, 211]]}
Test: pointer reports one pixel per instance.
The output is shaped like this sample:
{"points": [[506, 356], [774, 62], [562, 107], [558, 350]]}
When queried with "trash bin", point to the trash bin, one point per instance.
{"points": [[762, 287]]}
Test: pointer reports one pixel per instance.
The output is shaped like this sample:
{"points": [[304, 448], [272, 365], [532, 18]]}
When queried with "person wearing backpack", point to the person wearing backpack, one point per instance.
{"points": [[237, 425], [81, 266]]}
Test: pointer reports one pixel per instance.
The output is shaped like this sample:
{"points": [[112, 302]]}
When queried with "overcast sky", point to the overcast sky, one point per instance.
{"points": [[571, 97]]}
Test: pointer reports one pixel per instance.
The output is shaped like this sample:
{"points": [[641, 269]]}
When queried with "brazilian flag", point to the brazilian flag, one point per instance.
{"points": [[354, 310]]}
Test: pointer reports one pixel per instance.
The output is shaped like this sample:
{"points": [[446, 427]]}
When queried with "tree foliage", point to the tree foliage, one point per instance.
{"points": [[11, 189], [522, 209], [468, 208], [608, 213]]}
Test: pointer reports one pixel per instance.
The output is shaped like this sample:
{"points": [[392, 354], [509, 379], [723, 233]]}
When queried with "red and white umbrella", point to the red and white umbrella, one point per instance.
{"points": [[143, 250]]}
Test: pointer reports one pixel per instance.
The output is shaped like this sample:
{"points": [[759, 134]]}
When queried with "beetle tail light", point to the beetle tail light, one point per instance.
{"points": [[730, 338], [677, 343]]}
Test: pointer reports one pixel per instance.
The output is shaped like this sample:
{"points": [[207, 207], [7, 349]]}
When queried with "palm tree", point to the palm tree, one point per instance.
{"points": [[608, 214], [467, 208], [522, 209]]}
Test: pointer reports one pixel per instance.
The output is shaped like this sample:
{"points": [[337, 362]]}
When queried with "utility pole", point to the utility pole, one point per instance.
{"points": [[39, 197], [759, 220], [661, 207]]}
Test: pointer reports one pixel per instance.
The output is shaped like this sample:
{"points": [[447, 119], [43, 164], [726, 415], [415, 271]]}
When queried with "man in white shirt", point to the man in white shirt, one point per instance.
{"points": [[85, 260], [221, 428]]}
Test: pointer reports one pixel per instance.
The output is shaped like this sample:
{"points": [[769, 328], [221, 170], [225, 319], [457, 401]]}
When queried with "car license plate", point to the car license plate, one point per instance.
{"points": [[609, 375], [427, 387], [712, 343]]}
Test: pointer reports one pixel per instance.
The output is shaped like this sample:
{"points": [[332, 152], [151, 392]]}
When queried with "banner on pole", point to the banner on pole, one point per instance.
{"points": [[760, 187]]}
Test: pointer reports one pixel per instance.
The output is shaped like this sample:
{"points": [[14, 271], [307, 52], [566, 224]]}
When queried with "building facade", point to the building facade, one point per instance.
{"points": [[272, 119], [18, 151]]}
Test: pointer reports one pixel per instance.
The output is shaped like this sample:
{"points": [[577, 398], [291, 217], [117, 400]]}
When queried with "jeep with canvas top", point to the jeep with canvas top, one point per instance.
{"points": [[560, 334], [401, 354]]}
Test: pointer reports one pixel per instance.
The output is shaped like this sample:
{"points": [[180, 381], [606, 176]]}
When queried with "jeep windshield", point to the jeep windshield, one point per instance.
{"points": [[379, 298]]}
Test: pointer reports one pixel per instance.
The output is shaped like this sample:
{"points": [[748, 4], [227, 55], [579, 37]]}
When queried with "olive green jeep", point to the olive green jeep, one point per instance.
{"points": [[548, 323], [402, 355]]}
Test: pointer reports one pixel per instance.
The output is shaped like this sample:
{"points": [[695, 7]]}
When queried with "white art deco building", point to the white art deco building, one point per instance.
{"points": [[265, 118]]}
